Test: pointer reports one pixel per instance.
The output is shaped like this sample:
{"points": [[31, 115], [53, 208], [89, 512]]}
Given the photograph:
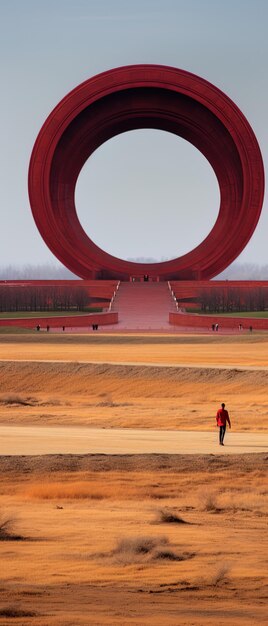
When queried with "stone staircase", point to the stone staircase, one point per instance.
{"points": [[143, 306]]}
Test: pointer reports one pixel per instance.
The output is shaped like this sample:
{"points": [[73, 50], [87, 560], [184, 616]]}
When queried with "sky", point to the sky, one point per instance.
{"points": [[145, 194]]}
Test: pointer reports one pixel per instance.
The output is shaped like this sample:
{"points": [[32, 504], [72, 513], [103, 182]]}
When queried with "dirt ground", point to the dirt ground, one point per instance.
{"points": [[181, 391], [217, 351], [133, 539], [37, 440]]}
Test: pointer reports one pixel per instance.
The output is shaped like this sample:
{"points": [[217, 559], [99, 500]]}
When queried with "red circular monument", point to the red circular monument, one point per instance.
{"points": [[135, 97]]}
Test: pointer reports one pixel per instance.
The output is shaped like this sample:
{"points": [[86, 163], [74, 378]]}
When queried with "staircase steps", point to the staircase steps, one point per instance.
{"points": [[143, 305]]}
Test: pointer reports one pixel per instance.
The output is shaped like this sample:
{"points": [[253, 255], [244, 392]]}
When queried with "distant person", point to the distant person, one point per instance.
{"points": [[250, 329], [222, 417], [48, 328], [213, 326], [63, 328], [217, 327], [38, 327]]}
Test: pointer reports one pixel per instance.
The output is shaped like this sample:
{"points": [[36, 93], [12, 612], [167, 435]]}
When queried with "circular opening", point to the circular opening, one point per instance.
{"points": [[147, 196]]}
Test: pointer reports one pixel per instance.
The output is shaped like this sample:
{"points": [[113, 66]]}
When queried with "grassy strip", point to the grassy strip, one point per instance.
{"points": [[257, 314], [41, 314], [15, 330]]}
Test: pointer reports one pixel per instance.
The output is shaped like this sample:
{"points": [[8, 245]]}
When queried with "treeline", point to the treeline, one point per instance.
{"points": [[244, 271], [43, 298], [228, 300], [50, 271], [46, 271]]}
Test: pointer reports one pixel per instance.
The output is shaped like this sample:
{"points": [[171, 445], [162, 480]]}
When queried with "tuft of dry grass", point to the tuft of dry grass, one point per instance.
{"points": [[220, 574], [166, 516], [107, 400], [6, 532], [209, 501], [11, 611], [12, 398], [139, 545], [147, 549], [169, 555]]}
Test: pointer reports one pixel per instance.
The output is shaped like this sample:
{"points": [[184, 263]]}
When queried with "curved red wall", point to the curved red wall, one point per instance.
{"points": [[146, 96]]}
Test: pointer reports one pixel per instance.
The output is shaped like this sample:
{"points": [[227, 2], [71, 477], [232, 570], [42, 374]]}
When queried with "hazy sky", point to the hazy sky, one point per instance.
{"points": [[142, 177]]}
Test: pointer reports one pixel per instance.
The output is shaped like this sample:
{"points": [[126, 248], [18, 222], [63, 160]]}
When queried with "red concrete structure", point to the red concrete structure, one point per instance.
{"points": [[135, 97], [185, 291], [100, 293], [140, 306], [189, 322]]}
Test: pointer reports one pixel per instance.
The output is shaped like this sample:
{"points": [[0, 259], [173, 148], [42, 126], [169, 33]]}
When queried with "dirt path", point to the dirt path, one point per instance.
{"points": [[209, 366], [34, 440]]}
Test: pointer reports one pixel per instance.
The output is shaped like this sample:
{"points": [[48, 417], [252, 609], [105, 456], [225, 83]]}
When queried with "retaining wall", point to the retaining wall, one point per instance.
{"points": [[69, 321], [206, 321]]}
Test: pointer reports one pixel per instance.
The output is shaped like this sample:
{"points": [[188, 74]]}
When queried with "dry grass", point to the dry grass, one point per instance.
{"points": [[6, 530], [209, 501], [69, 490], [166, 516], [16, 399], [98, 486], [81, 490], [74, 484], [220, 574], [12, 611], [106, 554], [139, 545], [106, 400], [169, 555], [232, 500], [146, 549]]}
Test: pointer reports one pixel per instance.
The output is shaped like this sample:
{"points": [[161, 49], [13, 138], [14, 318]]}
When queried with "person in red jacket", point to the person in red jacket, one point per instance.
{"points": [[221, 418]]}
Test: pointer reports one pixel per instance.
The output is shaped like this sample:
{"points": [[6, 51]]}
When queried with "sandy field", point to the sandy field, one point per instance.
{"points": [[98, 540], [139, 539], [216, 351], [181, 391]]}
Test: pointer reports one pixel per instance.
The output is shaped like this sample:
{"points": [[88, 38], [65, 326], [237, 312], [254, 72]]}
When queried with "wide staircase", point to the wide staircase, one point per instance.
{"points": [[143, 306]]}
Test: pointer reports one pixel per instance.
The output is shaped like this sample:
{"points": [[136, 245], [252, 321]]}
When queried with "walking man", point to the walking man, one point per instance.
{"points": [[221, 418]]}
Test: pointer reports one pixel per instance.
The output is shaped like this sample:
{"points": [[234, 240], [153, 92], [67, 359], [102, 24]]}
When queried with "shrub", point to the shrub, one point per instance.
{"points": [[168, 517], [6, 533], [220, 574]]}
